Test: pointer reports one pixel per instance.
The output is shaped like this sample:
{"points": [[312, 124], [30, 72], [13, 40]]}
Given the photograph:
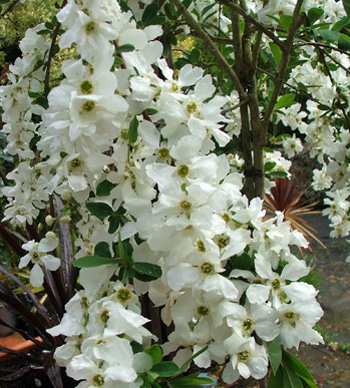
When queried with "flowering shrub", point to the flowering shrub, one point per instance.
{"points": [[130, 154]]}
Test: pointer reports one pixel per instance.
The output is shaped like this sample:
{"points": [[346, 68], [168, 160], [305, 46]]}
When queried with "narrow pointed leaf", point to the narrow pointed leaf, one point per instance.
{"points": [[275, 354], [93, 261]]}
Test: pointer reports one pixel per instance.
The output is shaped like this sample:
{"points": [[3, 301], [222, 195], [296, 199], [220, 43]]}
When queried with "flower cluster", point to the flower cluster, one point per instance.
{"points": [[100, 323]]}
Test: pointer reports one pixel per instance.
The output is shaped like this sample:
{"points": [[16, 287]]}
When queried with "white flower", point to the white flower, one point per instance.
{"points": [[297, 320], [247, 359], [37, 254]]}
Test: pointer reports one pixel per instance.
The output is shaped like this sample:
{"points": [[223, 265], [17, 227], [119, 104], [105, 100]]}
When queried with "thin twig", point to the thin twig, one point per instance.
{"points": [[213, 49], [253, 21], [9, 9], [52, 47], [325, 45], [297, 20], [244, 102]]}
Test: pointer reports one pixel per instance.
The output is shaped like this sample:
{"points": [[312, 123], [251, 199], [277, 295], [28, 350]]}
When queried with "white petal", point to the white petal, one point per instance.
{"points": [[36, 276], [258, 293], [52, 263]]}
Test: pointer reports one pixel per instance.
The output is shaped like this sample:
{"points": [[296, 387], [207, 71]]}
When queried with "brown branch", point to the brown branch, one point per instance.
{"points": [[325, 45], [200, 32], [9, 9], [50, 56], [297, 21], [253, 21]]}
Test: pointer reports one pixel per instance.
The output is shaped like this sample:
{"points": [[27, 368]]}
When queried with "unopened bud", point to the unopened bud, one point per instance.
{"points": [[65, 219], [65, 195], [49, 220], [50, 235]]}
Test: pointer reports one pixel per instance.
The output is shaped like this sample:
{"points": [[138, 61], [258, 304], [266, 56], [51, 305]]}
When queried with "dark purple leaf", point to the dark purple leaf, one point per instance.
{"points": [[69, 273], [11, 241], [53, 371]]}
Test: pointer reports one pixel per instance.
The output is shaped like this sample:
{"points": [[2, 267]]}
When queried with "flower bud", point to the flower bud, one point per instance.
{"points": [[65, 219], [50, 235], [65, 195], [49, 220]]}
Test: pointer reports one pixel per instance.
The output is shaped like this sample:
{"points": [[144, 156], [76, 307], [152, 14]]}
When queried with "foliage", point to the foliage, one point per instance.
{"points": [[287, 198]]}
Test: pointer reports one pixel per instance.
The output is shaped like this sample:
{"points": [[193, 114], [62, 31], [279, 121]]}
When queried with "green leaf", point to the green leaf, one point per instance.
{"points": [[148, 269], [314, 14], [340, 24], [188, 362], [277, 174], [151, 111], [276, 51], [243, 262], [170, 11], [156, 352], [323, 107], [150, 12], [114, 222], [291, 379], [344, 42], [124, 48], [132, 134], [121, 250], [166, 369], [144, 278], [99, 209], [136, 347], [146, 382], [93, 261], [285, 100], [286, 21], [276, 381], [308, 382], [193, 380], [329, 35], [297, 365], [102, 249], [275, 354], [269, 166], [158, 20], [346, 5], [104, 188], [117, 61]]}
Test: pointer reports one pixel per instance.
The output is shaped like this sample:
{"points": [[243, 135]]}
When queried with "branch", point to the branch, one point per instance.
{"points": [[297, 21], [253, 21], [213, 49], [52, 47], [9, 9], [316, 44]]}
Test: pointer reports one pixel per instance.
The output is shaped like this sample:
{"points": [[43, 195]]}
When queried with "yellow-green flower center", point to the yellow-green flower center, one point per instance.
{"points": [[276, 284], [86, 87], [104, 316], [191, 107], [185, 205], [248, 324], [207, 268], [243, 356], [98, 380], [89, 106], [202, 310], [222, 240], [200, 246], [163, 153], [90, 27], [123, 295], [183, 171]]}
